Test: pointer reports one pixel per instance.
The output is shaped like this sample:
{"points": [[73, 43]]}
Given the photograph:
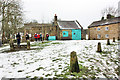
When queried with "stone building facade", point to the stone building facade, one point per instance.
{"points": [[70, 30], [33, 28], [104, 29], [55, 29]]}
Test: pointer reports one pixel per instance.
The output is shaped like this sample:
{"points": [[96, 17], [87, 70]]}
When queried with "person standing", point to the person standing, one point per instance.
{"points": [[18, 39], [35, 36], [30, 37], [47, 36], [27, 36], [43, 36], [40, 36]]}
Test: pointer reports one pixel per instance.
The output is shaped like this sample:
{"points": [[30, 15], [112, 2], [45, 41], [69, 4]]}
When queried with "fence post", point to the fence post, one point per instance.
{"points": [[113, 39], [99, 49], [74, 67], [108, 42], [11, 44], [28, 44]]}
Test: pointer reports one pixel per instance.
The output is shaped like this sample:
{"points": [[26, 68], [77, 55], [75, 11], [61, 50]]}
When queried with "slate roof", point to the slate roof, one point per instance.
{"points": [[105, 22], [69, 25]]}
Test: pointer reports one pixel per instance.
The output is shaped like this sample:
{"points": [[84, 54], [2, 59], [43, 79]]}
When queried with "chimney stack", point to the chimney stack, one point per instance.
{"points": [[55, 17], [109, 16]]}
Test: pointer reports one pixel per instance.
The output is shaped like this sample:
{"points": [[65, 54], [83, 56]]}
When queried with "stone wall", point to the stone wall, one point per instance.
{"points": [[84, 32], [42, 28], [112, 32]]}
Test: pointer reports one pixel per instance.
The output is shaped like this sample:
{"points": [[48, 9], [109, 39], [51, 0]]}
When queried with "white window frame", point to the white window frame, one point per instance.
{"points": [[107, 35], [98, 36], [106, 28], [98, 29]]}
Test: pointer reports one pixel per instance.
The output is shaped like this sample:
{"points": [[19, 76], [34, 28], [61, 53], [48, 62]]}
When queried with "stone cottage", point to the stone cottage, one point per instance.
{"points": [[69, 30], [104, 29], [61, 30]]}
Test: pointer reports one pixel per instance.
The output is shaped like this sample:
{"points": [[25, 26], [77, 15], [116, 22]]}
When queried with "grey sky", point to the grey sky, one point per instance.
{"points": [[85, 11]]}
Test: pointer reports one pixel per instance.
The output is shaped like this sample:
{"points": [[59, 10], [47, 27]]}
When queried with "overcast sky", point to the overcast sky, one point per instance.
{"points": [[85, 11]]}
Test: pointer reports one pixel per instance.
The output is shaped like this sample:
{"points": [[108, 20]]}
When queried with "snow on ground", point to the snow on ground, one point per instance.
{"points": [[53, 58]]}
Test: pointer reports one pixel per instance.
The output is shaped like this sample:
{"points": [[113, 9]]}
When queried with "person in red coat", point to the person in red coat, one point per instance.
{"points": [[47, 36], [35, 36], [38, 36]]}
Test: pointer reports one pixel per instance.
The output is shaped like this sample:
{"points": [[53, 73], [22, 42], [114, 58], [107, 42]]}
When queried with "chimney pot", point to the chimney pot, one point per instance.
{"points": [[55, 17]]}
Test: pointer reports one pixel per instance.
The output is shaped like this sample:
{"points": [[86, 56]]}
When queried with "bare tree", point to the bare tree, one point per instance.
{"points": [[109, 10], [16, 18], [3, 5], [11, 16]]}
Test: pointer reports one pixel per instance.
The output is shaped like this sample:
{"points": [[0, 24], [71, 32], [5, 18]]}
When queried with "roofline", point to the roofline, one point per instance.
{"points": [[68, 28], [77, 23], [104, 24], [37, 24], [65, 20]]}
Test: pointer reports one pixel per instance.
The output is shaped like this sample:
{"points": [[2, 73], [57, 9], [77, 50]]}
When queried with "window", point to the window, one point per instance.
{"points": [[106, 28], [65, 33], [98, 29], [107, 36], [98, 36], [52, 28]]}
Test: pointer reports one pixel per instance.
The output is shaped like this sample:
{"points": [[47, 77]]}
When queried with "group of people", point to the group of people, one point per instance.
{"points": [[40, 37]]}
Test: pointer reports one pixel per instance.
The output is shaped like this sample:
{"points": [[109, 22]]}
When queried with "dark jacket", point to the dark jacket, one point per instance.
{"points": [[27, 36], [18, 39], [18, 36]]}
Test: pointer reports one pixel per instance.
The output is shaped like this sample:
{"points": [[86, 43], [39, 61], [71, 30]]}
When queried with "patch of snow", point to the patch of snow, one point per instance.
{"points": [[54, 58]]}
